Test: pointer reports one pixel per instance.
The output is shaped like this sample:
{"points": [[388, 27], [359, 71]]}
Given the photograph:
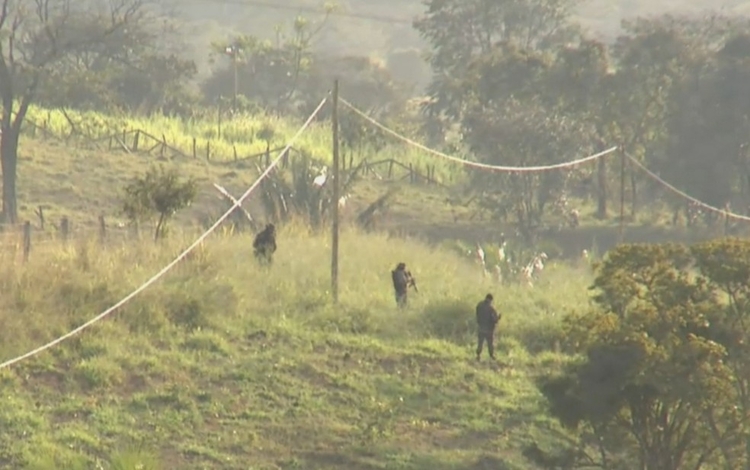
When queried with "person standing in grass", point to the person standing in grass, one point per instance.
{"points": [[265, 244], [487, 319], [402, 280]]}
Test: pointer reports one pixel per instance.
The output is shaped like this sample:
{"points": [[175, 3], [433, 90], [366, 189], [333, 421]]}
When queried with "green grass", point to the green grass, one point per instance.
{"points": [[82, 183], [100, 173], [235, 136], [225, 365]]}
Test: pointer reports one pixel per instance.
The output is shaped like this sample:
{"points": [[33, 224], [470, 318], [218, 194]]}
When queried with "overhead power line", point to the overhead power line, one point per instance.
{"points": [[307, 9]]}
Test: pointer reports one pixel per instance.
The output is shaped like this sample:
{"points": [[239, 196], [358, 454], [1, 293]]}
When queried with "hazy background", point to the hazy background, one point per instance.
{"points": [[378, 28]]}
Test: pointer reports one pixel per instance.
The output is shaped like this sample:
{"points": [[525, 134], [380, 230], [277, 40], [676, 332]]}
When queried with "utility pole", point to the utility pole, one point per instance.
{"points": [[336, 190], [234, 96], [622, 193], [233, 51]]}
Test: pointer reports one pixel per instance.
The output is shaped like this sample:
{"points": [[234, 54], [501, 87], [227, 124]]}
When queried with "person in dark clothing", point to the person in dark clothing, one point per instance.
{"points": [[402, 280], [487, 319], [265, 244]]}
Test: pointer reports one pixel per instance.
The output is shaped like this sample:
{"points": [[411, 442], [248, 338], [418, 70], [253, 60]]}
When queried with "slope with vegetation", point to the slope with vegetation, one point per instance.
{"points": [[223, 364], [567, 95], [226, 365]]}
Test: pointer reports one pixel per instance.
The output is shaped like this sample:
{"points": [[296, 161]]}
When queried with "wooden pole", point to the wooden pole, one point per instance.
{"points": [[40, 214], [65, 228], [102, 230], [601, 209], [622, 194], [336, 190], [26, 241]]}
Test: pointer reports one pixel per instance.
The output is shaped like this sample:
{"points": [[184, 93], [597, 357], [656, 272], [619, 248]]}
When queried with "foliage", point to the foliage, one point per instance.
{"points": [[159, 194], [246, 134], [33, 42], [663, 368], [665, 90], [139, 70], [514, 108], [658, 372], [294, 195], [460, 31], [286, 75]]}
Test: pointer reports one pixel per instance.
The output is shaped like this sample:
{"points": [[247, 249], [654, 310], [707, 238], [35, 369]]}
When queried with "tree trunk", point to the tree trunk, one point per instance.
{"points": [[601, 211], [9, 164], [159, 227], [634, 194]]}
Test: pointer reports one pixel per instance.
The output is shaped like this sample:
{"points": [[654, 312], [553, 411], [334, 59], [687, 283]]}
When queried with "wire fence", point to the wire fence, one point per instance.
{"points": [[62, 234], [142, 142]]}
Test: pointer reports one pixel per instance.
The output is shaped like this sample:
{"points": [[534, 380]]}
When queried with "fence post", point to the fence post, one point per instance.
{"points": [[65, 229], [136, 139], [163, 144], [208, 150], [234, 149], [26, 240], [195, 150], [40, 214], [102, 230]]}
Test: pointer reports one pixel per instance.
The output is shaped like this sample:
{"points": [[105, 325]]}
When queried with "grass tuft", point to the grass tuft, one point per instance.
{"points": [[225, 364]]}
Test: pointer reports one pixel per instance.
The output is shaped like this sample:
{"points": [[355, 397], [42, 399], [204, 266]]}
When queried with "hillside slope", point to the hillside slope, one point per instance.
{"points": [[83, 183], [226, 366]]}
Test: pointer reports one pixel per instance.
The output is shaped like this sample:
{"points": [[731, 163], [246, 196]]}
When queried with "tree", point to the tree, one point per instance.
{"points": [[461, 30], [652, 58], [407, 66], [35, 36], [139, 69], [158, 194], [724, 265], [513, 115], [664, 367], [581, 87], [268, 72], [663, 64], [365, 82], [710, 115]]}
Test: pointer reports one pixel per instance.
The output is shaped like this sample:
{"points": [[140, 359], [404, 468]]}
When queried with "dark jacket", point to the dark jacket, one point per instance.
{"points": [[487, 316], [400, 280], [265, 242]]}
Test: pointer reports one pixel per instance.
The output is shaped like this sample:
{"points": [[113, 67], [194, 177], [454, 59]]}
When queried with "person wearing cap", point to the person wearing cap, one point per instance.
{"points": [[402, 280], [487, 319]]}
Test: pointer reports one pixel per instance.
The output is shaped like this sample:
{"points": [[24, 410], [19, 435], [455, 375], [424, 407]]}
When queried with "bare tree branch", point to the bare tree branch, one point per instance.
{"points": [[4, 13]]}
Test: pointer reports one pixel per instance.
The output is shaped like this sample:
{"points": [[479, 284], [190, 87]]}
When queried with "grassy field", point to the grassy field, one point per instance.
{"points": [[82, 183], [225, 365], [239, 136]]}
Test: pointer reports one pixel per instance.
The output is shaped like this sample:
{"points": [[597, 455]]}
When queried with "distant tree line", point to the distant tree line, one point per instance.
{"points": [[122, 56], [522, 84], [513, 82]]}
